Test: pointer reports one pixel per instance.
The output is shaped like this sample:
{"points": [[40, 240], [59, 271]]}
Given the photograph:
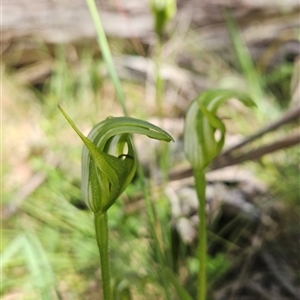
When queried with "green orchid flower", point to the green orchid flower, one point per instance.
{"points": [[109, 160], [201, 146], [163, 11]]}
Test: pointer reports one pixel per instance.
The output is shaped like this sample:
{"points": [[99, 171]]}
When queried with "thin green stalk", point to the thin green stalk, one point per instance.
{"points": [[103, 44], [200, 188], [159, 97], [159, 84], [152, 220], [102, 236]]}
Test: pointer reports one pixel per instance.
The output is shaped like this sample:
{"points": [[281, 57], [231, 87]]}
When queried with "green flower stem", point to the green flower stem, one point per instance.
{"points": [[102, 236], [200, 188], [201, 147]]}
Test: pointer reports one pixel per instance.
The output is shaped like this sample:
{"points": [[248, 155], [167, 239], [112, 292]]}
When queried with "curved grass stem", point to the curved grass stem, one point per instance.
{"points": [[102, 236], [200, 188], [103, 44]]}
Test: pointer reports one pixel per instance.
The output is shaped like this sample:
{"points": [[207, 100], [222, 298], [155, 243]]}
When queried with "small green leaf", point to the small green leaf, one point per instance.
{"points": [[109, 159]]}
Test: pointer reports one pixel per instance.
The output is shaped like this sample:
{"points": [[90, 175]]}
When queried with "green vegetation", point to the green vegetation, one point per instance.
{"points": [[49, 248], [109, 163], [201, 146]]}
